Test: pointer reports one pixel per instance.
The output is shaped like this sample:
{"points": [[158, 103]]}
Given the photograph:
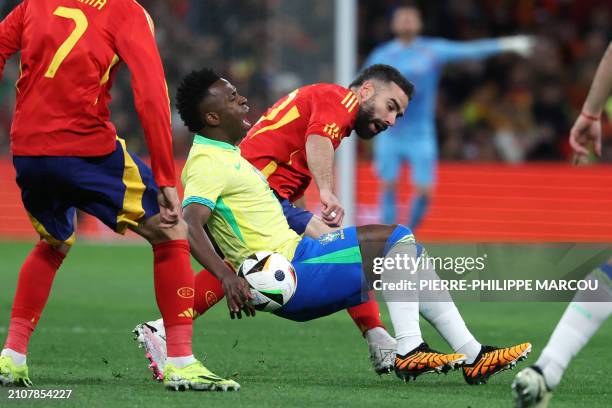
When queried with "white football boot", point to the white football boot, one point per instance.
{"points": [[529, 389], [382, 349], [151, 336]]}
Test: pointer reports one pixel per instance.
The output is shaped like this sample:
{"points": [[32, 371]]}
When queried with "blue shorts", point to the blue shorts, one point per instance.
{"points": [[297, 218], [118, 189], [390, 152], [330, 274]]}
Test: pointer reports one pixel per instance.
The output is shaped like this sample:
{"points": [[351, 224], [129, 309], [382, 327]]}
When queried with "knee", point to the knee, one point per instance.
{"points": [[402, 230], [59, 247], [179, 231], [397, 231], [401, 235]]}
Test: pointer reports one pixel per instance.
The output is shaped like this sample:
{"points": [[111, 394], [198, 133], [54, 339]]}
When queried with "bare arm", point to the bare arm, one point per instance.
{"points": [[235, 288], [320, 158], [601, 87], [587, 128]]}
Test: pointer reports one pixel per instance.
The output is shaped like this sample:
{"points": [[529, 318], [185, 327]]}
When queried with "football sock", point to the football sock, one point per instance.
{"points": [[445, 317], [378, 335], [419, 207], [20, 331], [578, 324], [33, 288], [389, 207], [438, 308], [178, 339], [403, 306], [405, 318], [366, 315], [180, 362], [174, 282], [208, 291], [18, 358]]}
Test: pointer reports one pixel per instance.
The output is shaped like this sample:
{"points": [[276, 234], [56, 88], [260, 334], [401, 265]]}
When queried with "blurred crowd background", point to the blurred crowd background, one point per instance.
{"points": [[506, 108]]}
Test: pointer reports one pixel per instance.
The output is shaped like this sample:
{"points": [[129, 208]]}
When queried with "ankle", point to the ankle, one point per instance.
{"points": [[406, 344], [18, 358], [181, 362]]}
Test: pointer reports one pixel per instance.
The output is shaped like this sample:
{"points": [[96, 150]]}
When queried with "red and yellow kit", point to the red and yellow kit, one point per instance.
{"points": [[70, 52], [276, 145]]}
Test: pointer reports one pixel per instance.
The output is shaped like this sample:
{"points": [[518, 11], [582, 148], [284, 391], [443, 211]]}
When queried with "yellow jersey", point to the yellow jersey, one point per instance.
{"points": [[246, 215]]}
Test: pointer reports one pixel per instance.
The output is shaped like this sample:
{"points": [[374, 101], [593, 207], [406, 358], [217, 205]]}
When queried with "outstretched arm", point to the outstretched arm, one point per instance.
{"points": [[450, 51], [587, 128]]}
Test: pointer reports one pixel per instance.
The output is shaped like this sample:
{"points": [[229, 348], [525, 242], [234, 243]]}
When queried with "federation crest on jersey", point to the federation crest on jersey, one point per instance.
{"points": [[332, 130], [331, 237]]}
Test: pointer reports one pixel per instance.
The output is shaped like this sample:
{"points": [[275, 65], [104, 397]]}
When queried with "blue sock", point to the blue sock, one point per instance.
{"points": [[418, 210], [389, 207]]}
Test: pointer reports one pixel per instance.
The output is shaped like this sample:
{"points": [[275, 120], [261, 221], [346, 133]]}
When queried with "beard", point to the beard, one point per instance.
{"points": [[365, 116]]}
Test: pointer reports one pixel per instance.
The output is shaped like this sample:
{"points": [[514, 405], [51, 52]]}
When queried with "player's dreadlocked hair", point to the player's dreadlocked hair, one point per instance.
{"points": [[191, 91], [385, 73]]}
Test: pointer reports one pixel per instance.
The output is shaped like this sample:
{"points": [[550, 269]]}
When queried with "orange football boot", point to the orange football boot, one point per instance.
{"points": [[424, 360], [492, 360]]}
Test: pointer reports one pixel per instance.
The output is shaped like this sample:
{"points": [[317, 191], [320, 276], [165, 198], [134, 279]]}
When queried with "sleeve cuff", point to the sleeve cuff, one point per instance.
{"points": [[198, 200]]}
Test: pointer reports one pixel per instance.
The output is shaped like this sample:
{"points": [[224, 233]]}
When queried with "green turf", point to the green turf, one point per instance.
{"points": [[84, 343]]}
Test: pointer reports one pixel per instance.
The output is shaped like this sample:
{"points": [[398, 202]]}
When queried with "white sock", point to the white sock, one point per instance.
{"points": [[405, 318], [576, 327], [470, 349], [378, 335], [180, 362], [445, 317], [403, 305], [578, 324], [18, 358], [440, 310]]}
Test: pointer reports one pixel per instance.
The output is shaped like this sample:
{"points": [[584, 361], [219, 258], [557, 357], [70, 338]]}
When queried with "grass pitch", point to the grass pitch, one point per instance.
{"points": [[83, 343]]}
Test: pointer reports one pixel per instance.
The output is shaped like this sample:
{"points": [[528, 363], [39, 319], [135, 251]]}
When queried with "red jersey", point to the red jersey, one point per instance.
{"points": [[276, 145], [70, 53]]}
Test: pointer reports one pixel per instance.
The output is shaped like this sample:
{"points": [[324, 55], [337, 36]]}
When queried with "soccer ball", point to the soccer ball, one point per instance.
{"points": [[272, 280]]}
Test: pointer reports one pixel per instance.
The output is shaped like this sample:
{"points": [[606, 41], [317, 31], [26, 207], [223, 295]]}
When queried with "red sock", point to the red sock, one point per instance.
{"points": [[178, 339], [366, 315], [174, 281], [208, 291], [33, 287]]}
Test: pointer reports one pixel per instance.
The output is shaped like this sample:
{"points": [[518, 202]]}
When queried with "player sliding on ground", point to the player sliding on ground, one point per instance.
{"points": [[67, 156], [533, 386], [294, 142], [228, 195]]}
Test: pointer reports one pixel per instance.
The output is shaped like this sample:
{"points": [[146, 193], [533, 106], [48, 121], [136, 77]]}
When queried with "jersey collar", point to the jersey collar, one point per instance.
{"points": [[199, 139]]}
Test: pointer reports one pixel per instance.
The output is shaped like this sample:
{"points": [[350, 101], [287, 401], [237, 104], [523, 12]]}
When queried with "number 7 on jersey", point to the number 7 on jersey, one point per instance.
{"points": [[81, 24]]}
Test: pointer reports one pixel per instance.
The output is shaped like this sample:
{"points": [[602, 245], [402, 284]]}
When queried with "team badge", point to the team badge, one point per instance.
{"points": [[331, 237], [211, 298], [185, 292]]}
